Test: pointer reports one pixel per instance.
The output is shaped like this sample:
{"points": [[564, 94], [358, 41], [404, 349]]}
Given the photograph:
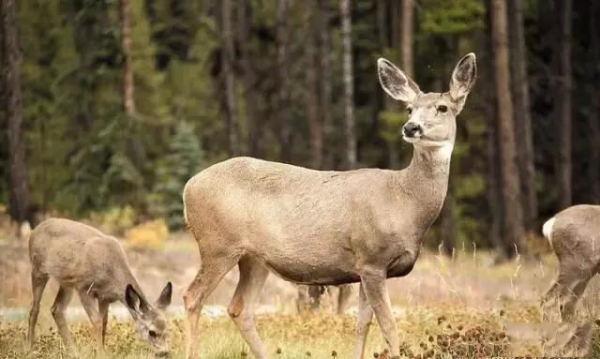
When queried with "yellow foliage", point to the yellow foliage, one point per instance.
{"points": [[148, 235], [114, 220]]}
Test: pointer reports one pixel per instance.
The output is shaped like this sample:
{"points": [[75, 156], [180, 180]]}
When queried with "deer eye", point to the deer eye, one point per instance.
{"points": [[152, 334], [442, 108]]}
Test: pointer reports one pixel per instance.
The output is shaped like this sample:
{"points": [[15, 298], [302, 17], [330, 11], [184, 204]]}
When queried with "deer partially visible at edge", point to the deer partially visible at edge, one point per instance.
{"points": [[574, 235], [84, 260], [325, 227]]}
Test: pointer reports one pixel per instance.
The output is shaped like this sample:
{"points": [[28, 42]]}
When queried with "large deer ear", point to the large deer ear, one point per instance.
{"points": [[164, 300], [463, 79], [135, 303], [395, 82]]}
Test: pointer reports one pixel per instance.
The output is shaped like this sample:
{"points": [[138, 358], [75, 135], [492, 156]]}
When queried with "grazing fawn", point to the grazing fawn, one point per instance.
{"points": [[84, 260]]}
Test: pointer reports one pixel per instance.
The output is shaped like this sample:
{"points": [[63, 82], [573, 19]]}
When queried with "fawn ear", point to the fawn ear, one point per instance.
{"points": [[164, 300], [134, 301], [395, 82]]}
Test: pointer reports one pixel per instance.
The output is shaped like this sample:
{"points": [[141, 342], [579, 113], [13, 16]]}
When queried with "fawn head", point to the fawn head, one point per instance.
{"points": [[432, 116], [150, 321]]}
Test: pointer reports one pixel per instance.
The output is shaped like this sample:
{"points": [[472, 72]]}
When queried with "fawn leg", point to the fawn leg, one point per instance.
{"points": [[38, 284]]}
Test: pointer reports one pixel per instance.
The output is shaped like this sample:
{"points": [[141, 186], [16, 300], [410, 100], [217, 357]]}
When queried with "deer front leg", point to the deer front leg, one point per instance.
{"points": [[373, 283], [103, 309], [363, 323]]}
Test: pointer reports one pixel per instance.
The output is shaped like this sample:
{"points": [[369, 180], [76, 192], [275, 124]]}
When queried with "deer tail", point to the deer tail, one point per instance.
{"points": [[547, 229]]}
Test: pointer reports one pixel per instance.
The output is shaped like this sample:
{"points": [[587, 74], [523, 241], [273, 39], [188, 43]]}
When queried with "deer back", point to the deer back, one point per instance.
{"points": [[79, 256]]}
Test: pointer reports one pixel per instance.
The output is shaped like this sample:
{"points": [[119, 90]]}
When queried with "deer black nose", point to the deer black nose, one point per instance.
{"points": [[410, 129]]}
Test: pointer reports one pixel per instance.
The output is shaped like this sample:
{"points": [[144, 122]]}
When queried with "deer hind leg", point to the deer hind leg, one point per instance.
{"points": [[241, 309], [566, 291], [571, 297], [373, 283], [63, 298], [38, 284], [212, 270], [363, 323], [90, 304]]}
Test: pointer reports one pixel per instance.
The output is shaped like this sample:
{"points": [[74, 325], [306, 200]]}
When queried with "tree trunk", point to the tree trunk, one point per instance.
{"points": [[312, 87], [283, 113], [594, 119], [512, 226], [228, 77], [493, 163], [128, 87], [382, 24], [249, 77], [594, 138], [522, 113], [346, 12], [563, 97], [19, 196], [324, 53], [406, 37], [395, 24], [134, 147], [493, 182]]}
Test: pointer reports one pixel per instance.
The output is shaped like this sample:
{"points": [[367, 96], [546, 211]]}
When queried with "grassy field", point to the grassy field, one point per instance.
{"points": [[463, 306], [426, 332]]}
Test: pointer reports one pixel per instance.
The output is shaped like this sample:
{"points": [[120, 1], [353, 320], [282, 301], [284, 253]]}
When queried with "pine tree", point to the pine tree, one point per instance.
{"points": [[47, 88], [11, 81], [184, 159]]}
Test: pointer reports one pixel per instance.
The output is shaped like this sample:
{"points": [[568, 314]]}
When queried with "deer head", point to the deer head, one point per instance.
{"points": [[150, 322], [432, 116]]}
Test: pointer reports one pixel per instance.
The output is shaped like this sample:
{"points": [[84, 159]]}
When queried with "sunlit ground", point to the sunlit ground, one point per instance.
{"points": [[432, 332]]}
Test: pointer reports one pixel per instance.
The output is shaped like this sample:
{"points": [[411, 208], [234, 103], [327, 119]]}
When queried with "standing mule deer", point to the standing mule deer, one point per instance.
{"points": [[325, 227], [85, 260], [574, 235]]}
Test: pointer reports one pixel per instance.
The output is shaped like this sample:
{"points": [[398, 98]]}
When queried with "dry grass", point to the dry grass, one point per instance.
{"points": [[445, 307], [426, 332]]}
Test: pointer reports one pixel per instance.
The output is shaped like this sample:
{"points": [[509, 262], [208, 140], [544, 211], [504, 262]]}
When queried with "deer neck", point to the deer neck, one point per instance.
{"points": [[425, 180], [120, 284]]}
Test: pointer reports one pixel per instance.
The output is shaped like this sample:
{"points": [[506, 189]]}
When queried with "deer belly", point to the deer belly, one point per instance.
{"points": [[402, 265], [309, 273]]}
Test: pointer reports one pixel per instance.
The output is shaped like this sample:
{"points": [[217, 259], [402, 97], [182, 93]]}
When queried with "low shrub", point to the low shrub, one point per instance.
{"points": [[148, 236]]}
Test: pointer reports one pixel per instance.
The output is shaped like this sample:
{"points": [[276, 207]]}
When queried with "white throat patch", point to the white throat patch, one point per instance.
{"points": [[445, 150], [442, 152]]}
